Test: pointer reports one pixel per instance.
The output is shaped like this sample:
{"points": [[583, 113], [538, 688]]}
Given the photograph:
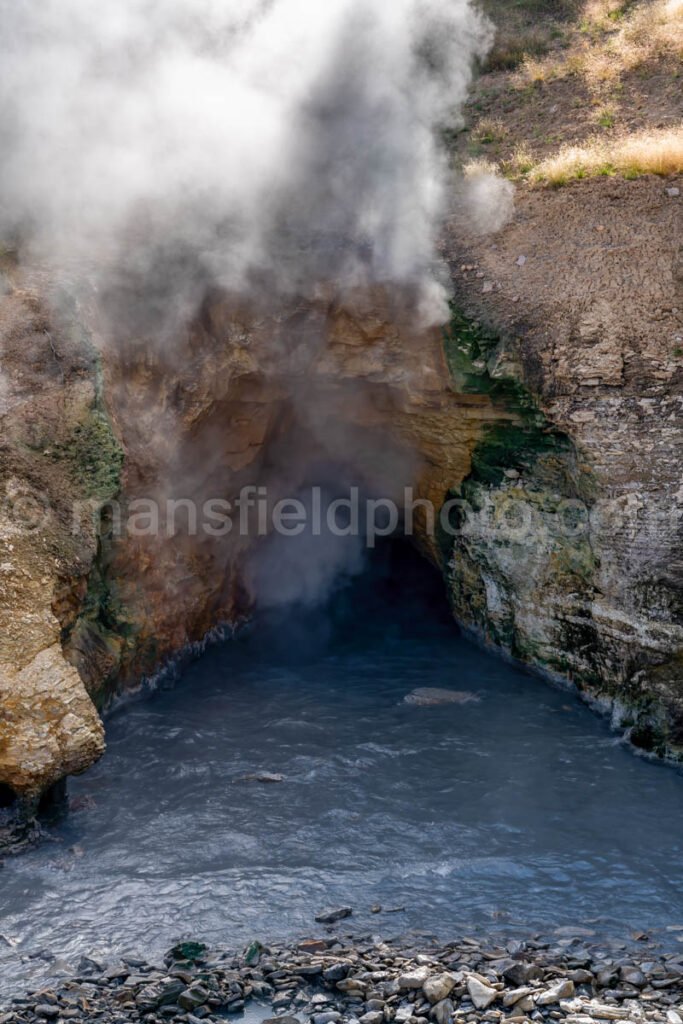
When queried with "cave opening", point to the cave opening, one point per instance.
{"points": [[53, 802], [400, 583], [9, 809], [8, 798], [395, 594], [49, 808], [346, 506]]}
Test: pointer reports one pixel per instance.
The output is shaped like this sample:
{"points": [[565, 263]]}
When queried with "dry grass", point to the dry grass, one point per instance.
{"points": [[615, 38], [489, 131], [526, 28], [477, 167], [512, 48], [614, 108], [649, 152]]}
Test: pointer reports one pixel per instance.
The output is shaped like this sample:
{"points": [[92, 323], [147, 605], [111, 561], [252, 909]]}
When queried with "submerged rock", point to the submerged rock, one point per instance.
{"points": [[427, 696], [331, 916], [261, 777]]}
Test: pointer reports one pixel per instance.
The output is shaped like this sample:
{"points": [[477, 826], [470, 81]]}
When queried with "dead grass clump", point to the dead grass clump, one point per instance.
{"points": [[511, 49], [649, 152], [489, 131], [520, 163]]}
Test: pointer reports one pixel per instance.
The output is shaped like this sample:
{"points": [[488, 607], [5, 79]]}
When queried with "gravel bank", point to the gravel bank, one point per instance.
{"points": [[354, 980]]}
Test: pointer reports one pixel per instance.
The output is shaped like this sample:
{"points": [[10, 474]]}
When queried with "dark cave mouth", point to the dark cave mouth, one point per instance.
{"points": [[397, 589], [46, 809], [8, 798]]}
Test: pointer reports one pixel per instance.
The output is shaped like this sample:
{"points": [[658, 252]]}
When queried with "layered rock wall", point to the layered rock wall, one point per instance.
{"points": [[585, 296]]}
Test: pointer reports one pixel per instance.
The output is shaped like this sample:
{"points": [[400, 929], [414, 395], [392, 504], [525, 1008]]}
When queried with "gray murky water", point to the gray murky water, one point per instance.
{"points": [[519, 811]]}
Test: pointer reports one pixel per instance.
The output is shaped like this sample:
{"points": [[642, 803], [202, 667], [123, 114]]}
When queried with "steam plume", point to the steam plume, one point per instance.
{"points": [[264, 147], [272, 141]]}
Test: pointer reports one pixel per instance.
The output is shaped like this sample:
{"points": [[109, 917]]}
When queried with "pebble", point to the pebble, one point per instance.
{"points": [[351, 985], [443, 1011], [632, 976], [414, 979], [438, 987], [313, 946], [562, 989], [518, 972], [515, 994], [336, 972], [673, 192], [193, 997], [481, 995], [581, 976]]}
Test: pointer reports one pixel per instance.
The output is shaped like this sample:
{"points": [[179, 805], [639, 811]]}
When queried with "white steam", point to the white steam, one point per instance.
{"points": [[485, 199], [271, 148], [271, 142]]}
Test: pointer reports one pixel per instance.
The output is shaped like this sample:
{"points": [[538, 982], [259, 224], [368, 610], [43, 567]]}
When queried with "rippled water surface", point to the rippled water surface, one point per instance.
{"points": [[514, 811]]}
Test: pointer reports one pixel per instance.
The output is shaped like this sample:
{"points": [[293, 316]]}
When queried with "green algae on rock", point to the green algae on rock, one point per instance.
{"points": [[524, 571]]}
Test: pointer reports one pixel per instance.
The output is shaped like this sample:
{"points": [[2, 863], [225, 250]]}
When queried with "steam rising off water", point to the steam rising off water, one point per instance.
{"points": [[517, 811]]}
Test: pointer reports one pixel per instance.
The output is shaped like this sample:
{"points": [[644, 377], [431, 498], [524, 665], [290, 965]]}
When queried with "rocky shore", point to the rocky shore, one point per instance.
{"points": [[366, 980]]}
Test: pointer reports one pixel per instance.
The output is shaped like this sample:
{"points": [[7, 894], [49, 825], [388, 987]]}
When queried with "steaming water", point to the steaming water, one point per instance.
{"points": [[520, 810]]}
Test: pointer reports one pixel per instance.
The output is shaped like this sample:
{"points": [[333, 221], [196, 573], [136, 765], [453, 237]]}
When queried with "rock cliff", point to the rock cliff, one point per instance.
{"points": [[587, 299]]}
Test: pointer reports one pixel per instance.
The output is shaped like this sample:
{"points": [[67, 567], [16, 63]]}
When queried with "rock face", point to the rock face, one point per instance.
{"points": [[57, 450], [50, 725], [549, 414], [591, 589]]}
